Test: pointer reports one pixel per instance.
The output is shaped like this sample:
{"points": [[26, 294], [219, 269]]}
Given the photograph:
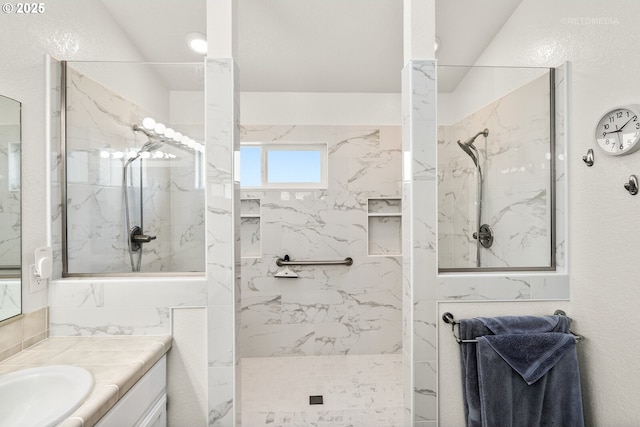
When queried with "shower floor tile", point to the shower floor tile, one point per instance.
{"points": [[358, 391]]}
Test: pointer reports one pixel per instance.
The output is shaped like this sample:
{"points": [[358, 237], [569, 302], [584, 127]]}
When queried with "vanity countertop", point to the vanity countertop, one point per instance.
{"points": [[116, 363]]}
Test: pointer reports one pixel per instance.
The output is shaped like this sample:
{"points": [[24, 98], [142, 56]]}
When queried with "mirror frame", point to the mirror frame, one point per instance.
{"points": [[14, 272]]}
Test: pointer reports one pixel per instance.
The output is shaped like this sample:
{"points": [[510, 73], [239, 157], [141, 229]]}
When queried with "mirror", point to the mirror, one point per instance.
{"points": [[10, 219]]}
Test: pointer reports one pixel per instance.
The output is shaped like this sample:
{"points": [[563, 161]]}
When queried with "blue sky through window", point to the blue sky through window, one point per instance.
{"points": [[287, 166], [295, 166], [250, 166]]}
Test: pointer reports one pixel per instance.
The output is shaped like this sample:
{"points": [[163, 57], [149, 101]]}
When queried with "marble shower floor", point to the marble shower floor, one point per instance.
{"points": [[358, 391]]}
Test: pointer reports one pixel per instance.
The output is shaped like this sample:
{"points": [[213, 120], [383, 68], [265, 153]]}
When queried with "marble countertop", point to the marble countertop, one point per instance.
{"points": [[116, 363]]}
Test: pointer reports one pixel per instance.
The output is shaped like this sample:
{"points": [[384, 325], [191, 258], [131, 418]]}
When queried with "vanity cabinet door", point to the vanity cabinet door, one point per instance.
{"points": [[144, 405], [157, 417]]}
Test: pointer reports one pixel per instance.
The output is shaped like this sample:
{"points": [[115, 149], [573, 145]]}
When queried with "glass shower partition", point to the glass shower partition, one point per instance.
{"points": [[496, 169], [133, 144]]}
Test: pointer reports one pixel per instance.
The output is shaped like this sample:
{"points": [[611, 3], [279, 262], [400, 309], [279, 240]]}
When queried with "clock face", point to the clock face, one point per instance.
{"points": [[618, 131]]}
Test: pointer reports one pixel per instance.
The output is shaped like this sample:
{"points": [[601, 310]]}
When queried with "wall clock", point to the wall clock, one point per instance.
{"points": [[618, 130]]}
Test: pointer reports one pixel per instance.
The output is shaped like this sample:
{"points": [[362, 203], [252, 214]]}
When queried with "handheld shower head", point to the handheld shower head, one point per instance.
{"points": [[467, 149], [148, 146]]}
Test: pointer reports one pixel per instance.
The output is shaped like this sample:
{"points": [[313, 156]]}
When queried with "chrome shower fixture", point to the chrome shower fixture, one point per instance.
{"points": [[471, 150], [484, 233], [147, 147], [469, 142], [467, 149]]}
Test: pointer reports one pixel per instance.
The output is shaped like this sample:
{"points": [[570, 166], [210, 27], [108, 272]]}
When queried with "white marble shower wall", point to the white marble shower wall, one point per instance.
{"points": [[327, 310], [515, 161], [99, 130]]}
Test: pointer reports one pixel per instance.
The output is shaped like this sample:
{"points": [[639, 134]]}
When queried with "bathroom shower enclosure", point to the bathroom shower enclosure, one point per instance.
{"points": [[133, 197], [496, 169]]}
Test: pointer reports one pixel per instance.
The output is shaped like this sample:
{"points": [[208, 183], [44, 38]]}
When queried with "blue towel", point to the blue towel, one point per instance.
{"points": [[525, 324], [529, 380], [471, 329]]}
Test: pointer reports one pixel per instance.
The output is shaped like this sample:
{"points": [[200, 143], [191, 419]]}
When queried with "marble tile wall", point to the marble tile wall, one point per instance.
{"points": [[327, 310], [222, 242], [516, 182], [98, 130], [133, 306], [419, 240]]}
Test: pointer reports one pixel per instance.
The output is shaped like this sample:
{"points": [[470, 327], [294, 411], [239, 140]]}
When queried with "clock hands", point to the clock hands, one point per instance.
{"points": [[632, 118]]}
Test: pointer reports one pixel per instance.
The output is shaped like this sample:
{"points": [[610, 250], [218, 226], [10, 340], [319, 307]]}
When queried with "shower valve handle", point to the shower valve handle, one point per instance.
{"points": [[137, 238], [485, 234], [142, 238]]}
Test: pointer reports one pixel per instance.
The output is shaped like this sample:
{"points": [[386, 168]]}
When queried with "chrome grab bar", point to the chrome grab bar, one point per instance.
{"points": [[285, 261]]}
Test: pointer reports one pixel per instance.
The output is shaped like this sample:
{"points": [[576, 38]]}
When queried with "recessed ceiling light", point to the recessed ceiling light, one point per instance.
{"points": [[197, 42]]}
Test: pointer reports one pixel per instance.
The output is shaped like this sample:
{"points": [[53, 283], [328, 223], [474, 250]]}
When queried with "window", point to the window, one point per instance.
{"points": [[277, 165]]}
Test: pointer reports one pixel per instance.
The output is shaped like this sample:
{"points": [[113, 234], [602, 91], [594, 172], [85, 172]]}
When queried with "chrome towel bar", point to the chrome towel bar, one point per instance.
{"points": [[448, 318], [286, 261]]}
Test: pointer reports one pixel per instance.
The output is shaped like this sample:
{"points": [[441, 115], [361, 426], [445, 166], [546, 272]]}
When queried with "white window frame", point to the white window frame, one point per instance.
{"points": [[267, 147]]}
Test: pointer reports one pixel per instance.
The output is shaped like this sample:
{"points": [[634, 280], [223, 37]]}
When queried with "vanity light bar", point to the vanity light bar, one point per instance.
{"points": [[166, 135]]}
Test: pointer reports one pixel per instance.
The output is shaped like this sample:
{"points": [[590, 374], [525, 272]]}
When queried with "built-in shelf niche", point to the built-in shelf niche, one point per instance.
{"points": [[250, 228], [385, 226]]}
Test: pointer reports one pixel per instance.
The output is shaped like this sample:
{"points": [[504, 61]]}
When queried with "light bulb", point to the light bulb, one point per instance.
{"points": [[168, 132], [131, 154], [118, 155], [105, 154], [197, 42], [159, 128], [145, 155], [148, 123], [177, 136]]}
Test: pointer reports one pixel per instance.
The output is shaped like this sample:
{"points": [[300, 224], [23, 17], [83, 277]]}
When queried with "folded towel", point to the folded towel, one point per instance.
{"points": [[471, 329], [530, 355], [529, 380]]}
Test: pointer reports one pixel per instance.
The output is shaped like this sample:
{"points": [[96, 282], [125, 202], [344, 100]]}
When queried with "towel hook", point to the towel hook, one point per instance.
{"points": [[588, 159]]}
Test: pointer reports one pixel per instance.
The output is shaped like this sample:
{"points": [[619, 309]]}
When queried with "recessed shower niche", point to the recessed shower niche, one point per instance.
{"points": [[133, 152], [497, 168]]}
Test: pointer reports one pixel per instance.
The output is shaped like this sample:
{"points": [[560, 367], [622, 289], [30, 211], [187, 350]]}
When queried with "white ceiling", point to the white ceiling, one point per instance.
{"points": [[314, 45]]}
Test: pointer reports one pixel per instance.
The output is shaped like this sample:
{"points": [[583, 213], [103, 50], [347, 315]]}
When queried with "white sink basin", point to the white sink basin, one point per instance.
{"points": [[42, 396]]}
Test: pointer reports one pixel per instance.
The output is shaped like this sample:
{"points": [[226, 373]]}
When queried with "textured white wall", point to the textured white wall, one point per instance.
{"points": [[600, 40], [287, 108]]}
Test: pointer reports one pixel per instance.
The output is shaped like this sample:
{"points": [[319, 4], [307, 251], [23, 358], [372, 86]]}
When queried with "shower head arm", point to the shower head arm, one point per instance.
{"points": [[469, 142]]}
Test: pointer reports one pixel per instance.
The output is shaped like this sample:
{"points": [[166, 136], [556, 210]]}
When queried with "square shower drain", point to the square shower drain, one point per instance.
{"points": [[315, 400]]}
